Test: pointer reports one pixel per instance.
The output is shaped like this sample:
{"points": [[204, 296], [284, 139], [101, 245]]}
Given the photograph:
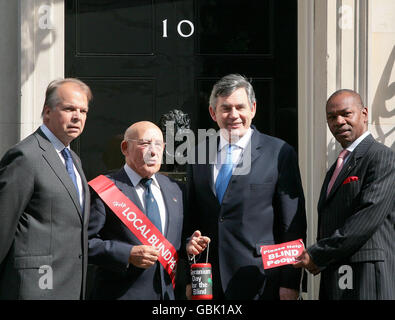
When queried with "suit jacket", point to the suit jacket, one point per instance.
{"points": [[110, 243], [356, 227], [42, 224], [264, 206]]}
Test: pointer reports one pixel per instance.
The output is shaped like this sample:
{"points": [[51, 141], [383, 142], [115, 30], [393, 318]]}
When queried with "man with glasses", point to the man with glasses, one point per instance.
{"points": [[129, 268]]}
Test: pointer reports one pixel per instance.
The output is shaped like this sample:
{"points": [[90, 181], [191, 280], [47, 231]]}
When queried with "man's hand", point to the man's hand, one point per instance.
{"points": [[143, 256], [197, 244], [305, 261], [288, 294], [188, 291]]}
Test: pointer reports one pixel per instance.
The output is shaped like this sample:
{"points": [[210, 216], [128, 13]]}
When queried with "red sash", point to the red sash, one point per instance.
{"points": [[137, 222]]}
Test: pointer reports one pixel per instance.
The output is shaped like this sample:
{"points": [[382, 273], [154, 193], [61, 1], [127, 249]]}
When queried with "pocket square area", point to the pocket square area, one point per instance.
{"points": [[349, 179]]}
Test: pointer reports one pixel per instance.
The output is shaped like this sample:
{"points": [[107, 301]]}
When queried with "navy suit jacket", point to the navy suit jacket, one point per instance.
{"points": [[110, 243], [356, 227], [265, 206]]}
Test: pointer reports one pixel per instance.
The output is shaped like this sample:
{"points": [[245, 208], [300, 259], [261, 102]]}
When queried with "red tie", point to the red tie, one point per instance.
{"points": [[339, 166]]}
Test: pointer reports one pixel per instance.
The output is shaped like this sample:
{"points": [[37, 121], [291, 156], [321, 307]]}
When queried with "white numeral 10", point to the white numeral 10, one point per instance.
{"points": [[182, 34]]}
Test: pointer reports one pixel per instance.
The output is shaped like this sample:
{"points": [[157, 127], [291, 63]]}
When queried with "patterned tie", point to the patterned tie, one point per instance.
{"points": [[339, 166], [151, 206], [70, 168], [224, 174]]}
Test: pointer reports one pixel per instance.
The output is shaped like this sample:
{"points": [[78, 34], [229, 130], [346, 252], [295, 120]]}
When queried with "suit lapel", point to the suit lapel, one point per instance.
{"points": [[256, 145], [84, 182], [348, 166], [206, 170], [324, 187], [124, 184], [52, 158], [253, 150], [210, 176], [170, 203], [352, 162]]}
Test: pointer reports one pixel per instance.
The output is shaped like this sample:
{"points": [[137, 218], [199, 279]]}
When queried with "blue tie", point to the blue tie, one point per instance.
{"points": [[224, 174], [70, 168], [151, 206]]}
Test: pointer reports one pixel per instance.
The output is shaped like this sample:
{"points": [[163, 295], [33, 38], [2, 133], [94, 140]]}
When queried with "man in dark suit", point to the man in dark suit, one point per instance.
{"points": [[356, 211], [260, 202], [128, 269], [44, 203]]}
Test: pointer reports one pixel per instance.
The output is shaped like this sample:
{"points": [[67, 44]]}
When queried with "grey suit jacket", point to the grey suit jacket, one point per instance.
{"points": [[356, 234], [43, 231]]}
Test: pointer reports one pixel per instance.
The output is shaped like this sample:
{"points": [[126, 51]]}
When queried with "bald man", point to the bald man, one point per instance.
{"points": [[128, 269], [356, 210]]}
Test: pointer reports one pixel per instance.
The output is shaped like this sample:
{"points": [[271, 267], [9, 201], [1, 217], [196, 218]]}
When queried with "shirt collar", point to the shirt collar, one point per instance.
{"points": [[352, 146], [59, 146], [135, 177], [242, 143]]}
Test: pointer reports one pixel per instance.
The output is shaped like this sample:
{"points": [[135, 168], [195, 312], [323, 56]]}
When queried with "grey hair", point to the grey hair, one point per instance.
{"points": [[227, 85], [51, 96]]}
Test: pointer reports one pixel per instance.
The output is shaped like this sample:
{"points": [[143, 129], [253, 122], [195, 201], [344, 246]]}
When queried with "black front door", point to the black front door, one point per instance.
{"points": [[143, 58]]}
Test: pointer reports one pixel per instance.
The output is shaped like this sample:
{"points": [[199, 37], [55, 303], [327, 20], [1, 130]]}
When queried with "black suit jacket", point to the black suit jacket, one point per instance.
{"points": [[41, 224], [110, 243], [356, 227], [264, 206]]}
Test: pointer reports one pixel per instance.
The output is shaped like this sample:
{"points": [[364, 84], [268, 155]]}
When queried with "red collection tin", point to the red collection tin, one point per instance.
{"points": [[202, 281]]}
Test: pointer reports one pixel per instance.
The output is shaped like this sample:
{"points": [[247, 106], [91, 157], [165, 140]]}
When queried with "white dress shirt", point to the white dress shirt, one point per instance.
{"points": [[353, 145], [237, 152], [135, 179], [59, 146]]}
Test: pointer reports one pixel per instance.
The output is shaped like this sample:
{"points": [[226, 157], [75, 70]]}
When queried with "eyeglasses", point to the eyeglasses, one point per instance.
{"points": [[142, 143]]}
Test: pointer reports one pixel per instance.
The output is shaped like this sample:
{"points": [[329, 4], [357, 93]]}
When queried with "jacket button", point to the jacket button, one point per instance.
{"points": [[80, 256]]}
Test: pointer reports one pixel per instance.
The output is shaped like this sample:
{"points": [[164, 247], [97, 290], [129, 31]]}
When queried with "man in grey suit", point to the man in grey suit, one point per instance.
{"points": [[44, 203], [356, 210]]}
